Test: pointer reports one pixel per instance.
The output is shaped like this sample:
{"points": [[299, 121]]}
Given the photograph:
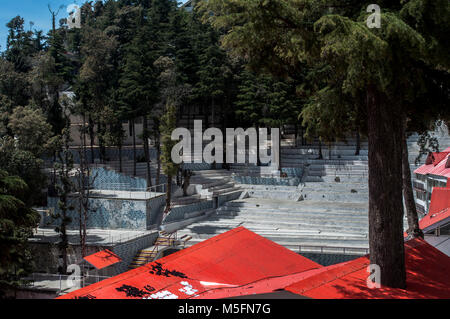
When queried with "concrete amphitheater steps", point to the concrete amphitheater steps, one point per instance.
{"points": [[292, 224]]}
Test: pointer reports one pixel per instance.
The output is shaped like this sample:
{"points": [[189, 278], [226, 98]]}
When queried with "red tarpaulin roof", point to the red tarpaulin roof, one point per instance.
{"points": [[236, 259], [102, 259], [427, 269], [439, 211]]}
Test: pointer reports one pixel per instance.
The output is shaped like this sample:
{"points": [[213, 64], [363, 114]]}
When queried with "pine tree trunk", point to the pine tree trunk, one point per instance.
{"points": [[385, 190], [358, 143], [296, 134], [414, 230], [280, 164], [101, 142], [120, 158], [168, 194], [213, 113], [91, 137], [64, 243], [133, 129], [158, 155], [320, 149], [329, 150], [258, 162], [147, 152]]}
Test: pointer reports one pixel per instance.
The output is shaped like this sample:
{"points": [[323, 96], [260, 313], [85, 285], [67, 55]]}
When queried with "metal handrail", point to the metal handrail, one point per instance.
{"points": [[322, 248]]}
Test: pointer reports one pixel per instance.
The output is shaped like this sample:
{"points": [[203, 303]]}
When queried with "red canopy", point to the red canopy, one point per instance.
{"points": [[102, 259], [236, 259], [427, 277]]}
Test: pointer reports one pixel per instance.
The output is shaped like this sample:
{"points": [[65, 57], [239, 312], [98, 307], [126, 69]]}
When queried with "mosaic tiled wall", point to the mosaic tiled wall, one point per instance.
{"points": [[106, 214]]}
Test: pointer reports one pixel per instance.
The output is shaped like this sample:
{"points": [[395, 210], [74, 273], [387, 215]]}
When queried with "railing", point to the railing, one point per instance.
{"points": [[130, 193], [332, 250], [158, 188], [155, 249], [64, 282], [109, 240]]}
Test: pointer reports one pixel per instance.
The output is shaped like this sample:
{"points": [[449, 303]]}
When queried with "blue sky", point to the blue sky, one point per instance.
{"points": [[32, 10]]}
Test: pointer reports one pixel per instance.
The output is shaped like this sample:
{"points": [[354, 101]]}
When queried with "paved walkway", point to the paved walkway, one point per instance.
{"points": [[94, 236]]}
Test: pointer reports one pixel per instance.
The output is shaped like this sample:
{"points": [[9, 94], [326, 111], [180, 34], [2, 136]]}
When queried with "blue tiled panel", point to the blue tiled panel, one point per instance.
{"points": [[106, 214]]}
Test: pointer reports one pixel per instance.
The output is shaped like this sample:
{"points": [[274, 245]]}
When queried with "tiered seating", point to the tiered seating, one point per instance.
{"points": [[306, 226]]}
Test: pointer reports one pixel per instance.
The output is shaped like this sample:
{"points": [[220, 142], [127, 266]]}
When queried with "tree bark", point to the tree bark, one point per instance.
{"points": [[168, 194], [385, 190], [320, 149], [158, 155], [414, 230], [358, 143], [101, 142], [120, 159], [329, 151], [133, 129], [91, 137], [147, 151]]}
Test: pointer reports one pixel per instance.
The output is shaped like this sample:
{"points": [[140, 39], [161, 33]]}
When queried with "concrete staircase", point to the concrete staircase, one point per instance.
{"points": [[164, 241], [212, 183], [300, 226]]}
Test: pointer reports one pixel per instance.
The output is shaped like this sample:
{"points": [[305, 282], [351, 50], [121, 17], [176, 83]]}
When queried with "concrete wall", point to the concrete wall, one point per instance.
{"points": [[46, 255], [155, 207], [179, 213]]}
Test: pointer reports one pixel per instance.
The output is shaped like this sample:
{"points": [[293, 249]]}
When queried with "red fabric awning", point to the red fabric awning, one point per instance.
{"points": [[103, 259], [427, 277], [238, 259]]}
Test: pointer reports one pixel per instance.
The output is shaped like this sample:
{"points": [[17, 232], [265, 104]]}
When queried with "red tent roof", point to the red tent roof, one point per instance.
{"points": [[236, 259], [439, 211], [102, 259], [427, 277]]}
